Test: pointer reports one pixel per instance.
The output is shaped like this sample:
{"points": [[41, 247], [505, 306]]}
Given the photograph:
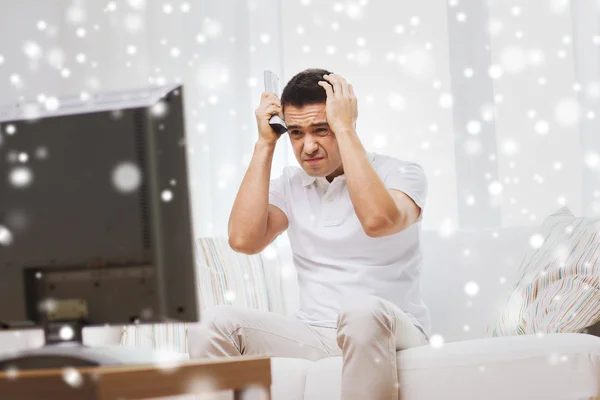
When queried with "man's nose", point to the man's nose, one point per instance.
{"points": [[310, 145]]}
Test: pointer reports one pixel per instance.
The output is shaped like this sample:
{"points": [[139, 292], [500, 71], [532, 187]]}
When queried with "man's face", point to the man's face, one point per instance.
{"points": [[315, 145]]}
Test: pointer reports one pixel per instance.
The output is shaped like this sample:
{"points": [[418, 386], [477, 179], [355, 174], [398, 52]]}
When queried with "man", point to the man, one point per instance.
{"points": [[353, 220]]}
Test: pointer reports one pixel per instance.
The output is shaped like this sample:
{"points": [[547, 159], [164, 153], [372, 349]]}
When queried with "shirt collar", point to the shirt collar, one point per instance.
{"points": [[308, 180]]}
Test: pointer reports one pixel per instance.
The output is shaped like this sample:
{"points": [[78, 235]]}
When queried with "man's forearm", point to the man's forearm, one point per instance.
{"points": [[248, 218], [374, 205]]}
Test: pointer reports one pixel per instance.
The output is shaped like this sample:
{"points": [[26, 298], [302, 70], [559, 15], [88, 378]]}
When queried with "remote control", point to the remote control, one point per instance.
{"points": [[272, 86]]}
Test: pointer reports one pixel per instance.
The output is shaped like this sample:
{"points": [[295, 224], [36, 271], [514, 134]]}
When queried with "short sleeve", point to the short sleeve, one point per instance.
{"points": [[409, 178], [277, 193]]}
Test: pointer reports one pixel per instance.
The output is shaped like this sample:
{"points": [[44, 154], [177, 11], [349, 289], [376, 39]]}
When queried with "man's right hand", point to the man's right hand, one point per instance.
{"points": [[269, 106]]}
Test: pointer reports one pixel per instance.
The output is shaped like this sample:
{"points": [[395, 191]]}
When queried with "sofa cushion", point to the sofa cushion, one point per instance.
{"points": [[558, 289], [288, 378], [557, 366]]}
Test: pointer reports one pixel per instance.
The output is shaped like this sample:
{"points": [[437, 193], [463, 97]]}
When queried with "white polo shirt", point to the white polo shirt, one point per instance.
{"points": [[334, 257]]}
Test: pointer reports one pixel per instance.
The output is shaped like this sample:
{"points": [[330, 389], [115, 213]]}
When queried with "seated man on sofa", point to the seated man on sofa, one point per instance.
{"points": [[353, 220]]}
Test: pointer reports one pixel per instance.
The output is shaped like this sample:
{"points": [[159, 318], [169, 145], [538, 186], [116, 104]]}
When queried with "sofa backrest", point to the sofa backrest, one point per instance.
{"points": [[490, 258], [224, 278], [483, 256]]}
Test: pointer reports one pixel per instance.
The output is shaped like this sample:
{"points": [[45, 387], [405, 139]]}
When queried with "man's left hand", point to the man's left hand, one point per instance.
{"points": [[341, 107]]}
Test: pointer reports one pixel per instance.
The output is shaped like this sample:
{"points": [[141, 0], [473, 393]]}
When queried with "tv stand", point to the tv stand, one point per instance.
{"points": [[62, 351]]}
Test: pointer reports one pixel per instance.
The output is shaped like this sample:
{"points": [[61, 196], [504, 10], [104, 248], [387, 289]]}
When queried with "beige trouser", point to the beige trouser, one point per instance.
{"points": [[370, 331]]}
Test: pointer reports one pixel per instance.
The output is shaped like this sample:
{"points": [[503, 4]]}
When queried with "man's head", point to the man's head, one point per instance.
{"points": [[315, 146]]}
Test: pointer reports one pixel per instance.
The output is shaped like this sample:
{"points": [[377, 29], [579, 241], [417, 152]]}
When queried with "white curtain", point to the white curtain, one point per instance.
{"points": [[497, 101]]}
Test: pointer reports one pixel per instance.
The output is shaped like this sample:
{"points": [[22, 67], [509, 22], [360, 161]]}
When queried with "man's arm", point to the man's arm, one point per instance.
{"points": [[253, 222], [381, 212]]}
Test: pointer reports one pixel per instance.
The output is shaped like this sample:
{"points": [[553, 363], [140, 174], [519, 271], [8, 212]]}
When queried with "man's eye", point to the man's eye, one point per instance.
{"points": [[295, 132]]}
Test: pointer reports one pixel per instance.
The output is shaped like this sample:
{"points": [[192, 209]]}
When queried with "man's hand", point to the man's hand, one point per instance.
{"points": [[269, 105], [341, 106]]}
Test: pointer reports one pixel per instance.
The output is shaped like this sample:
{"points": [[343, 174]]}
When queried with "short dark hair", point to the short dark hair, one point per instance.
{"points": [[303, 89]]}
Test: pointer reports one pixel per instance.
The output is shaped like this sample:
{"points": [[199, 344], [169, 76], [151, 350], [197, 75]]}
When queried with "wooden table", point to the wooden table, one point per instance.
{"points": [[240, 374]]}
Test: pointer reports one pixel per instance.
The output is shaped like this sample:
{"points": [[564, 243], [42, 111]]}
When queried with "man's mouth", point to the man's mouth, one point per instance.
{"points": [[314, 160]]}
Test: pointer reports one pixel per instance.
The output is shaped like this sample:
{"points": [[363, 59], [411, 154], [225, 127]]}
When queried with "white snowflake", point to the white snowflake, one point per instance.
{"points": [[212, 28], [380, 141], [542, 127], [396, 101], [133, 23], [535, 57], [126, 177], [6, 237], [495, 188], [567, 112], [52, 103], [512, 60], [447, 228], [495, 27], [474, 127], [471, 288], [592, 159], [66, 333], [536, 241], [21, 177], [354, 11], [32, 50], [16, 80], [510, 147], [72, 377], [473, 147], [559, 6], [436, 341], [76, 14], [446, 100], [230, 296], [166, 196], [137, 4], [415, 21], [269, 253]]}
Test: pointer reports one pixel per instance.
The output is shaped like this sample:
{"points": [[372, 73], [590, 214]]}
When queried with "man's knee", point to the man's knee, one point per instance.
{"points": [[215, 327], [221, 319], [363, 317]]}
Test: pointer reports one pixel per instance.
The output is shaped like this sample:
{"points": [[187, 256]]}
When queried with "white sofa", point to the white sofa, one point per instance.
{"points": [[468, 365]]}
